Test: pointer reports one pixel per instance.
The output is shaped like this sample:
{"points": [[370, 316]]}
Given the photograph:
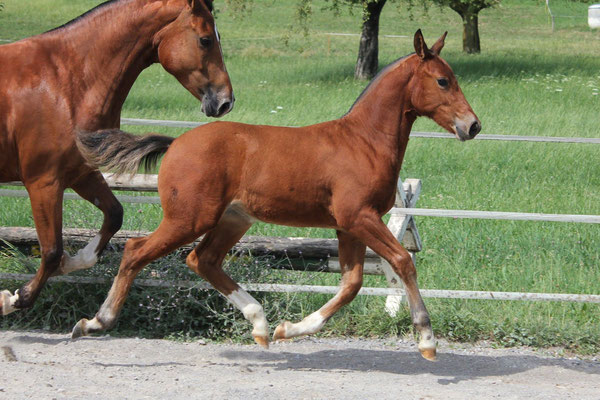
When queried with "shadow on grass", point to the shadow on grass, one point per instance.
{"points": [[469, 68], [451, 368]]}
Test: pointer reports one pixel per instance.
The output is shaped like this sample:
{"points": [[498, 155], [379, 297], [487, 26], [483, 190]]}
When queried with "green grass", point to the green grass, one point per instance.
{"points": [[528, 80]]}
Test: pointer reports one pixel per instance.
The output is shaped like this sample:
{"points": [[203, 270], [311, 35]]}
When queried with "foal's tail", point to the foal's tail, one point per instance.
{"points": [[122, 152]]}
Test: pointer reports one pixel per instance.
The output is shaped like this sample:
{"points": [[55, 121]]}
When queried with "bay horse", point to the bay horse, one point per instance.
{"points": [[217, 179], [76, 77]]}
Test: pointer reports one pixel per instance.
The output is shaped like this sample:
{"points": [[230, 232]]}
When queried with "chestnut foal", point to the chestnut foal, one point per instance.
{"points": [[76, 77], [219, 178]]}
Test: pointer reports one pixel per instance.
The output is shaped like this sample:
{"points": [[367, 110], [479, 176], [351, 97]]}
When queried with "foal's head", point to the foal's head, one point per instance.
{"points": [[189, 48], [435, 92]]}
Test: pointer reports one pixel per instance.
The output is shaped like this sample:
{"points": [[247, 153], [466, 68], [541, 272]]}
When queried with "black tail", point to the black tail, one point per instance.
{"points": [[122, 152]]}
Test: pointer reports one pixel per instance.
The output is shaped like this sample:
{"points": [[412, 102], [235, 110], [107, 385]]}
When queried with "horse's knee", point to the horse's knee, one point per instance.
{"points": [[403, 264]]}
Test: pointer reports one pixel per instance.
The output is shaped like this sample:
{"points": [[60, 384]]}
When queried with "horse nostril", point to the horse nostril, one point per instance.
{"points": [[474, 129], [224, 108]]}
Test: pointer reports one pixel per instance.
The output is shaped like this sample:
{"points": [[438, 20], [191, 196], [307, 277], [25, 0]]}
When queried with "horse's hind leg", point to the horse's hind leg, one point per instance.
{"points": [[138, 253], [46, 204], [93, 188], [207, 258], [352, 257]]}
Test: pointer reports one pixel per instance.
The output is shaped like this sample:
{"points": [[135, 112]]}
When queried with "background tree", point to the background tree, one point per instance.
{"points": [[469, 12], [367, 62]]}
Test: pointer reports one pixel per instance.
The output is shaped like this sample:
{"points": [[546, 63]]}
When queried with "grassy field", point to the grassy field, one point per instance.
{"points": [[528, 80]]}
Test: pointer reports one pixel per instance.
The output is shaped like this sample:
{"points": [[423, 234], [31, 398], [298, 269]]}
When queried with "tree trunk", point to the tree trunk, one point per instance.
{"points": [[368, 50], [470, 31]]}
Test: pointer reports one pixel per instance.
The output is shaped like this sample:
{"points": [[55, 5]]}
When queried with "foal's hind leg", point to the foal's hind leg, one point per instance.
{"points": [[352, 257], [138, 253], [93, 188], [207, 258]]}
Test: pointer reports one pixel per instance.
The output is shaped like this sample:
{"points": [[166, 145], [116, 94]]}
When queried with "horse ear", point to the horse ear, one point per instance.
{"points": [[439, 45], [196, 5], [420, 46]]}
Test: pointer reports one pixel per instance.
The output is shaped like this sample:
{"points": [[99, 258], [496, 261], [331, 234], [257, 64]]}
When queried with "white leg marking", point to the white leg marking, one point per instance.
{"points": [[85, 258], [252, 311], [309, 325], [427, 338], [8, 301]]}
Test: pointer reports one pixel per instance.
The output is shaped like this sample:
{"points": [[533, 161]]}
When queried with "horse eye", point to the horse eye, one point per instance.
{"points": [[443, 82], [205, 42]]}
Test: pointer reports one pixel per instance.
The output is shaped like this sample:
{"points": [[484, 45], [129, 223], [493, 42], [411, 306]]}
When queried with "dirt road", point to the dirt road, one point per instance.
{"points": [[47, 366]]}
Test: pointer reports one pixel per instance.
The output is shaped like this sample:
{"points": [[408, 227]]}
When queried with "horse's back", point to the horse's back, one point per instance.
{"points": [[265, 169]]}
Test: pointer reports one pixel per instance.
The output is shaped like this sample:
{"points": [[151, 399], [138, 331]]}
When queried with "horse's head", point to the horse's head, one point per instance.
{"points": [[189, 49], [435, 92]]}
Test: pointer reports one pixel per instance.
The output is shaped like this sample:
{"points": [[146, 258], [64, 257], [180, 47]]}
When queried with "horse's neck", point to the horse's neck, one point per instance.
{"points": [[382, 113], [106, 53]]}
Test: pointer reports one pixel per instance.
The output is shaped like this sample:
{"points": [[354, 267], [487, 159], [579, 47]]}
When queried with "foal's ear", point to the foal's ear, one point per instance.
{"points": [[439, 45], [420, 46]]}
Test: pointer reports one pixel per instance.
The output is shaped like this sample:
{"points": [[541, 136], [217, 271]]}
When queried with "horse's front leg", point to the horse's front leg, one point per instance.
{"points": [[352, 257], [93, 188], [371, 230], [46, 204]]}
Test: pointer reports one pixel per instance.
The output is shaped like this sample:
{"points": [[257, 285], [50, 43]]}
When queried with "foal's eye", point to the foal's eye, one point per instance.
{"points": [[205, 42], [443, 82]]}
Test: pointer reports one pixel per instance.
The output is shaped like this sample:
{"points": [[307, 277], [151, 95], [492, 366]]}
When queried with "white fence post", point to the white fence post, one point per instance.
{"points": [[405, 230]]}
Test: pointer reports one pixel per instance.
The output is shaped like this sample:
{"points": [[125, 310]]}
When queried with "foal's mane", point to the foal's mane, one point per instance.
{"points": [[379, 75]]}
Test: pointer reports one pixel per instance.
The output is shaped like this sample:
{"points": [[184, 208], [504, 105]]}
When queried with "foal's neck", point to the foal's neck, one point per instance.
{"points": [[383, 113], [105, 53]]}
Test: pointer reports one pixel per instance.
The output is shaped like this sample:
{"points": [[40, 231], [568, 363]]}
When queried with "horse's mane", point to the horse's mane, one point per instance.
{"points": [[84, 15], [209, 4], [379, 75]]}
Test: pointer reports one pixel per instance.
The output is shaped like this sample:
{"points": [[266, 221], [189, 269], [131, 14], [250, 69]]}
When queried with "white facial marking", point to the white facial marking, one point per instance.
{"points": [[252, 311], [217, 33], [220, 48]]}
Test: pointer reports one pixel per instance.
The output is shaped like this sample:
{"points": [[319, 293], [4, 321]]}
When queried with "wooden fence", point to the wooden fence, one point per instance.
{"points": [[315, 254], [323, 252]]}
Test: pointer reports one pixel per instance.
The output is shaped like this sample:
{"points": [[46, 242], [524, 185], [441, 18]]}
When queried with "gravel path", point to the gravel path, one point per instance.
{"points": [[48, 366]]}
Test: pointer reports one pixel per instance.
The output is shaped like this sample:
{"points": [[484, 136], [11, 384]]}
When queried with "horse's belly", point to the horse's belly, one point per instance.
{"points": [[291, 213], [9, 170]]}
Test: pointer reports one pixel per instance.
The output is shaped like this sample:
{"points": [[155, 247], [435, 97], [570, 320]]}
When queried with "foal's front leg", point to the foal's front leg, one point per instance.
{"points": [[374, 233], [352, 257]]}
